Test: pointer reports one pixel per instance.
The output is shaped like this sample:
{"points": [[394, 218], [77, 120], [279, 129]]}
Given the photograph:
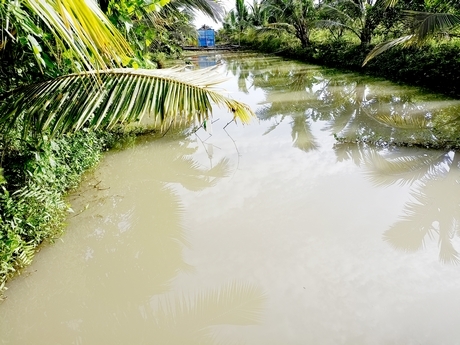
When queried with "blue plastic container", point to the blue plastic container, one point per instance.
{"points": [[206, 38]]}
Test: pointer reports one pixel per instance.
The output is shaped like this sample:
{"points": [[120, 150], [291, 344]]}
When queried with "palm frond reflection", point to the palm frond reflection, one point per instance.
{"points": [[433, 211], [190, 318], [356, 108], [360, 110], [128, 244]]}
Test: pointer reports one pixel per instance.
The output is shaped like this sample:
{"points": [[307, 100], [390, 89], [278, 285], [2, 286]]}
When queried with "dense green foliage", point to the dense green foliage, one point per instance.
{"points": [[32, 204]]}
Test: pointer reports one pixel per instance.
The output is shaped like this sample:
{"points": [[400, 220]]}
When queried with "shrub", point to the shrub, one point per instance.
{"points": [[37, 175]]}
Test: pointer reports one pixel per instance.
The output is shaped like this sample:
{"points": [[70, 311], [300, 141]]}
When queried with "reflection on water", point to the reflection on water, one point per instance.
{"points": [[273, 233], [188, 320], [356, 107], [433, 211], [125, 251], [204, 61], [360, 108]]}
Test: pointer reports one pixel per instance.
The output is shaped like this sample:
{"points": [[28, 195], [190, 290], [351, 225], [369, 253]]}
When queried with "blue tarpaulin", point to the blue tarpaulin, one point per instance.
{"points": [[206, 38]]}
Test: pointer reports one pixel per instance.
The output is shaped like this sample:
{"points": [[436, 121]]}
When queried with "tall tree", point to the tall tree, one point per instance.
{"points": [[298, 14], [258, 15], [361, 17]]}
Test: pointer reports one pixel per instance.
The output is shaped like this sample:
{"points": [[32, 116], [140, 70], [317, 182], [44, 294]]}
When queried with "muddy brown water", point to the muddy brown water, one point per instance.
{"points": [[270, 233]]}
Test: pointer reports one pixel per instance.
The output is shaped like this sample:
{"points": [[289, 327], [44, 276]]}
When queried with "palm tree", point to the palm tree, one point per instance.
{"points": [[296, 15], [258, 15], [242, 13], [360, 17], [237, 19], [100, 95]]}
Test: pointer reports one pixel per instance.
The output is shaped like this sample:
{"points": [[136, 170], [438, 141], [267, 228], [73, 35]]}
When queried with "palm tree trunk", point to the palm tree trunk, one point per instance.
{"points": [[366, 34], [302, 34]]}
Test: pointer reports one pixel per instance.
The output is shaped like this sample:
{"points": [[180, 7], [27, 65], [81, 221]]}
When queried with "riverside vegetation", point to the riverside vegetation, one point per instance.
{"points": [[73, 76]]}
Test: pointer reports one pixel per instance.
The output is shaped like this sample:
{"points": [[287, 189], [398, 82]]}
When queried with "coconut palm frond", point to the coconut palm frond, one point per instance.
{"points": [[80, 25], [276, 27], [213, 9], [358, 5], [383, 47], [334, 12], [334, 24], [117, 96], [390, 3], [403, 122], [428, 23]]}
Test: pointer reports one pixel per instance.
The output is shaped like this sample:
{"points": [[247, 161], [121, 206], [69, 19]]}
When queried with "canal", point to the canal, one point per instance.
{"points": [[307, 226]]}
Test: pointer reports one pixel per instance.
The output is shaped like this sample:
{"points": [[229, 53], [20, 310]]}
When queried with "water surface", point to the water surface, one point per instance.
{"points": [[272, 233]]}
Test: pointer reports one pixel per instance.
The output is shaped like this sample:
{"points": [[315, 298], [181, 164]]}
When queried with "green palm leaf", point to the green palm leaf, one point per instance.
{"points": [[383, 47], [213, 9], [273, 27], [81, 26], [117, 96], [428, 23], [390, 3], [338, 14]]}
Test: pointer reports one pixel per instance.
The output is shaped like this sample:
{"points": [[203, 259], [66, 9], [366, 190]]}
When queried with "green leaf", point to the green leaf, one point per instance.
{"points": [[118, 96]]}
